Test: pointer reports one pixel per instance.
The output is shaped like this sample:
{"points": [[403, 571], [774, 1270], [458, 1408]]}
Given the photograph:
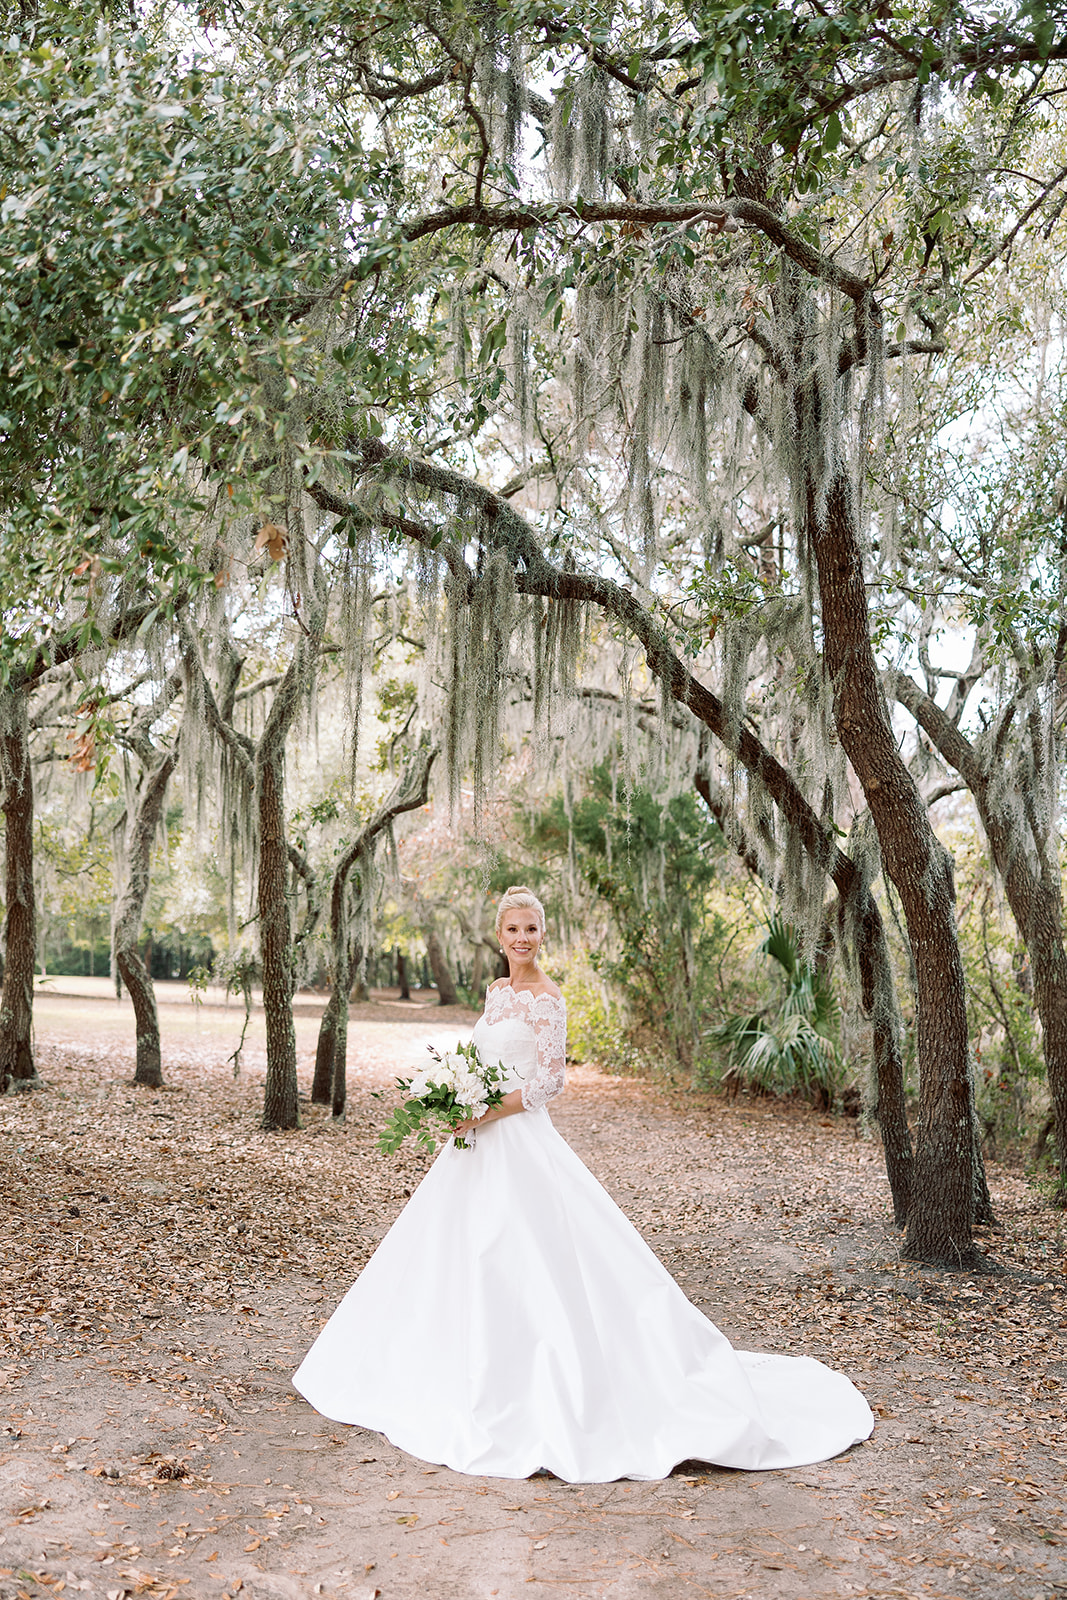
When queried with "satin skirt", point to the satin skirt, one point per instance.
{"points": [[513, 1320]]}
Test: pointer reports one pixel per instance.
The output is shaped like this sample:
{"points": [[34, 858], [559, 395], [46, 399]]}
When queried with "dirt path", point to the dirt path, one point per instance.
{"points": [[165, 1265]]}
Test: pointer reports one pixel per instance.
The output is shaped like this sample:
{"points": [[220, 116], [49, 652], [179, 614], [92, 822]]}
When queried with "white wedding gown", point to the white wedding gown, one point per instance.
{"points": [[512, 1319]]}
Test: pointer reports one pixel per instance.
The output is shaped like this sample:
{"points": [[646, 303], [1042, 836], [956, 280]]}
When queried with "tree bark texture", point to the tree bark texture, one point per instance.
{"points": [[325, 1047], [942, 1200], [442, 973], [280, 1110], [275, 924], [20, 925], [342, 988], [133, 971], [879, 1000], [312, 910], [1028, 867]]}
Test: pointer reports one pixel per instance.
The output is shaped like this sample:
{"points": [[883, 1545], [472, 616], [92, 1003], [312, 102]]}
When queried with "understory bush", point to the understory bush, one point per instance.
{"points": [[793, 1051], [656, 877]]}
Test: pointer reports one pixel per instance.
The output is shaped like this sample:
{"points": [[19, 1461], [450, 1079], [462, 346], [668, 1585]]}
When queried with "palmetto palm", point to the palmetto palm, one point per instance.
{"points": [[794, 1052]]}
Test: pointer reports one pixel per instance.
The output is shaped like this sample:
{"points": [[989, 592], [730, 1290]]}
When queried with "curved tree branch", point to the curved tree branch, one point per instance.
{"points": [[641, 214]]}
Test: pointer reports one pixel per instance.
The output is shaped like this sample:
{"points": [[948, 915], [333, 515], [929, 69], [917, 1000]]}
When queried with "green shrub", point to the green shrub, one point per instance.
{"points": [[792, 1053]]}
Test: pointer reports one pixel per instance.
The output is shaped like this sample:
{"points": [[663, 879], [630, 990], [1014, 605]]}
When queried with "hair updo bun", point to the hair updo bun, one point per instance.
{"points": [[518, 897]]}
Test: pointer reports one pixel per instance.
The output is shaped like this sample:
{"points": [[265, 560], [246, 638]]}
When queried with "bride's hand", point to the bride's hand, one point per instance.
{"points": [[511, 1103], [462, 1129]]}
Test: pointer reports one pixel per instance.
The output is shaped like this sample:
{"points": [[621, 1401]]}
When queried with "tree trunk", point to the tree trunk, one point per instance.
{"points": [[339, 1096], [483, 955], [1045, 943], [442, 975], [275, 932], [402, 975], [942, 1199], [879, 999], [410, 791], [1036, 902], [322, 1082], [1033, 889], [135, 975], [20, 927]]}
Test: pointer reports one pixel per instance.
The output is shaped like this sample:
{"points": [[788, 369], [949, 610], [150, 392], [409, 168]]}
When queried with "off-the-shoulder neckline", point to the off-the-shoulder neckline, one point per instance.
{"points": [[546, 994]]}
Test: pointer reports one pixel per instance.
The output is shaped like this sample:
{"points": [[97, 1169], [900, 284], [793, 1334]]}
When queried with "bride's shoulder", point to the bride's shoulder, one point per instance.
{"points": [[547, 989], [499, 983]]}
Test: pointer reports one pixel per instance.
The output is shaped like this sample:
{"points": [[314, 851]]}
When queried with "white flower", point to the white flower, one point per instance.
{"points": [[468, 1087]]}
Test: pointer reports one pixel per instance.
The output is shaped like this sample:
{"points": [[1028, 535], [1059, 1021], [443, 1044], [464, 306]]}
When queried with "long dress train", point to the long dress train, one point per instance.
{"points": [[512, 1319]]}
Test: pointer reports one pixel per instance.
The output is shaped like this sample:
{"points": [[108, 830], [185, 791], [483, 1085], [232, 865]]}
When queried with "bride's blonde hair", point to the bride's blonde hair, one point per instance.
{"points": [[516, 898]]}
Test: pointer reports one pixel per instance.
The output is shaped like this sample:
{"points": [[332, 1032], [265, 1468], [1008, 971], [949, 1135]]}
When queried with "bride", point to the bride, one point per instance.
{"points": [[513, 1320]]}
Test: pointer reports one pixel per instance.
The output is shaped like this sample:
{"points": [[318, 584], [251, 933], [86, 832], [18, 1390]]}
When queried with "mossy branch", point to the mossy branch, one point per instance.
{"points": [[647, 214]]}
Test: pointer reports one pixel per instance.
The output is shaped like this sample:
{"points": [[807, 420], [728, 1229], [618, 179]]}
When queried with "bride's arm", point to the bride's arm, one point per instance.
{"points": [[507, 1108], [550, 1030]]}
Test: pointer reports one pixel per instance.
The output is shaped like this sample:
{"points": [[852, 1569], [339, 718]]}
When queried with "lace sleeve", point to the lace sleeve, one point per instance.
{"points": [[549, 1020]]}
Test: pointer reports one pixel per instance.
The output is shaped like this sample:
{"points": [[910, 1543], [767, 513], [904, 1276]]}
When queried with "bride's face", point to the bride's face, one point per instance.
{"points": [[521, 934]]}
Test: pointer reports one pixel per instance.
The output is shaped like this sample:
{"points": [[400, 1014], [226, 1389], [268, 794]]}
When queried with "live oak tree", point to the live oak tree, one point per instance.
{"points": [[137, 265], [993, 553], [796, 394], [534, 574], [255, 769], [350, 906], [731, 209], [27, 662], [811, 321], [1016, 818], [137, 832]]}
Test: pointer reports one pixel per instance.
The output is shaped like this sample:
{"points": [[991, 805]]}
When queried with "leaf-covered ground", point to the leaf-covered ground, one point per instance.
{"points": [[165, 1264]]}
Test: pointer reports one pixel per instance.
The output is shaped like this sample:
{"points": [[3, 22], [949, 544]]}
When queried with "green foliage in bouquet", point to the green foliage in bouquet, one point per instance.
{"points": [[458, 1086]]}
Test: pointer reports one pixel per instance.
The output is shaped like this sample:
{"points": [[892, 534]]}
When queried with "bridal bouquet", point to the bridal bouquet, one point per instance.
{"points": [[458, 1085]]}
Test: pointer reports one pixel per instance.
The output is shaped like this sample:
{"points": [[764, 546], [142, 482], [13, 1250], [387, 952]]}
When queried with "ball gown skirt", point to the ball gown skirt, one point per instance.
{"points": [[513, 1320]]}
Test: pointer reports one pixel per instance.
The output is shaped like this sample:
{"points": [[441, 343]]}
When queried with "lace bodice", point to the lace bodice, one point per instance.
{"points": [[528, 1033]]}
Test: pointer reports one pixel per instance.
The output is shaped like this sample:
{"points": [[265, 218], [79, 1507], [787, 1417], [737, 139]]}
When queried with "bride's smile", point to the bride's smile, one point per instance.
{"points": [[521, 938]]}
